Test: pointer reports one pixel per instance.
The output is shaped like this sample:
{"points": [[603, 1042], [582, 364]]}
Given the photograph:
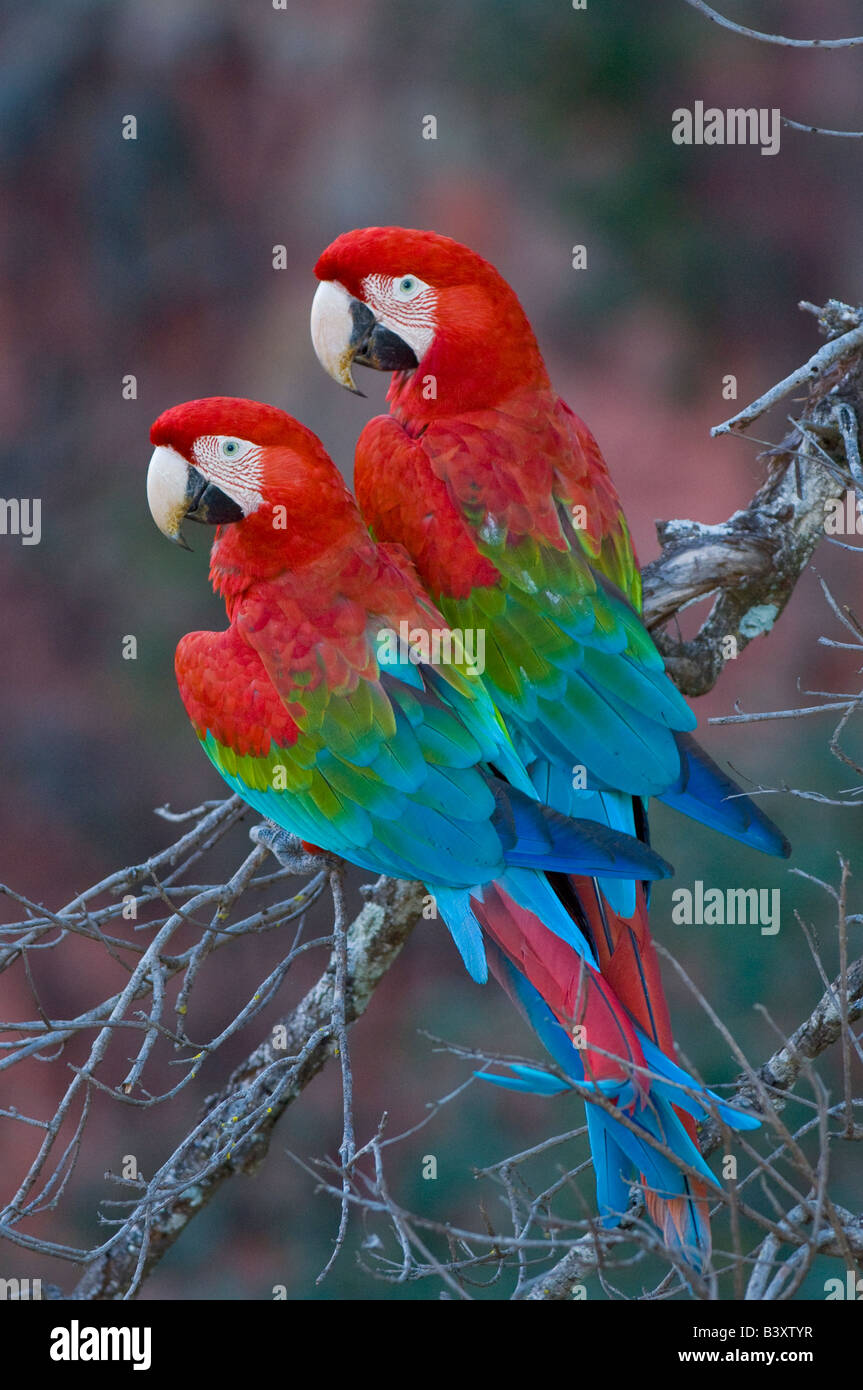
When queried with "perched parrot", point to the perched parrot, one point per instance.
{"points": [[338, 735], [502, 498]]}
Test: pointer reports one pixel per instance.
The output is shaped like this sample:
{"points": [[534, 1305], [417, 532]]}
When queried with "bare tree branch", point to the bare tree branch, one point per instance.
{"points": [[754, 560], [721, 20], [259, 1091]]}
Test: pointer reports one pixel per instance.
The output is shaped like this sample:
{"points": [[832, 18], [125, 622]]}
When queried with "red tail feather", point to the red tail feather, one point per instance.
{"points": [[575, 993], [676, 1217], [627, 960]]}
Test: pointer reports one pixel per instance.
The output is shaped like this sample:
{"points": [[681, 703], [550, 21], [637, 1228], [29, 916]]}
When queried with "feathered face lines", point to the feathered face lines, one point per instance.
{"points": [[236, 466], [406, 306]]}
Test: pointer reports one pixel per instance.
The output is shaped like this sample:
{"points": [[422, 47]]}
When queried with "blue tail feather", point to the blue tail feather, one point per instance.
{"points": [[613, 1171], [658, 1062], [454, 905], [706, 794], [535, 836], [530, 1079]]}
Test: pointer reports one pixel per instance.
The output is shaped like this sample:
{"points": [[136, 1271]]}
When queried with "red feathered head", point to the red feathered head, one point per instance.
{"points": [[425, 306], [253, 470]]}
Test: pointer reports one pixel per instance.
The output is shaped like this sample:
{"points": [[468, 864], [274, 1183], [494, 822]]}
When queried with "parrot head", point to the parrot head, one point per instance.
{"points": [[424, 306], [251, 470]]}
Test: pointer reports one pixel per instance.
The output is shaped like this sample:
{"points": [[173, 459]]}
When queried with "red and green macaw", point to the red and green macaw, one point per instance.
{"points": [[502, 498], [344, 738]]}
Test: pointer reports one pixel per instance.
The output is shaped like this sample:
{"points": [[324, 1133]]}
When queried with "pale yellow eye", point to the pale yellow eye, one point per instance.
{"points": [[407, 287]]}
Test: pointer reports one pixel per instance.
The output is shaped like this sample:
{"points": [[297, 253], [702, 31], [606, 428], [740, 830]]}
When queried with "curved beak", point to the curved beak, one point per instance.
{"points": [[177, 491], [345, 331]]}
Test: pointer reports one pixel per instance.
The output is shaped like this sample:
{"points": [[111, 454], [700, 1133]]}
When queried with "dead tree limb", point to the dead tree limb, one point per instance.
{"points": [[264, 1086], [753, 560]]}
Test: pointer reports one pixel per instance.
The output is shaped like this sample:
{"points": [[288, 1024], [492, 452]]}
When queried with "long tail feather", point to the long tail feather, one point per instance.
{"points": [[626, 956], [705, 793], [535, 836]]}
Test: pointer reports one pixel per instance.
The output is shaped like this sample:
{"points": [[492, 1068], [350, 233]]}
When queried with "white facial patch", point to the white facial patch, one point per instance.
{"points": [[234, 465], [406, 305]]}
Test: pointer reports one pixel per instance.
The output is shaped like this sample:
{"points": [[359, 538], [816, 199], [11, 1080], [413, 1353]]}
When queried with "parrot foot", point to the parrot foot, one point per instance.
{"points": [[292, 852]]}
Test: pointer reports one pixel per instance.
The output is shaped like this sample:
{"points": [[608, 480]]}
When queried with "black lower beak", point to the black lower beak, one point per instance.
{"points": [[208, 504], [372, 345]]}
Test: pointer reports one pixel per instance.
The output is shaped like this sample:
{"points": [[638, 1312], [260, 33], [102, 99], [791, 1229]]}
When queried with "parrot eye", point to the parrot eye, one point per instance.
{"points": [[408, 287], [230, 448]]}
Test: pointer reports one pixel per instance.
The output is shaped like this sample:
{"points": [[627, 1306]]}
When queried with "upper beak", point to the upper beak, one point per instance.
{"points": [[176, 490], [345, 331]]}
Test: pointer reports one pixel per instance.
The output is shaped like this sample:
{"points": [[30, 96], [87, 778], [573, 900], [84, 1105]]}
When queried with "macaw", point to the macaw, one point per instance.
{"points": [[345, 738], [504, 502]]}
